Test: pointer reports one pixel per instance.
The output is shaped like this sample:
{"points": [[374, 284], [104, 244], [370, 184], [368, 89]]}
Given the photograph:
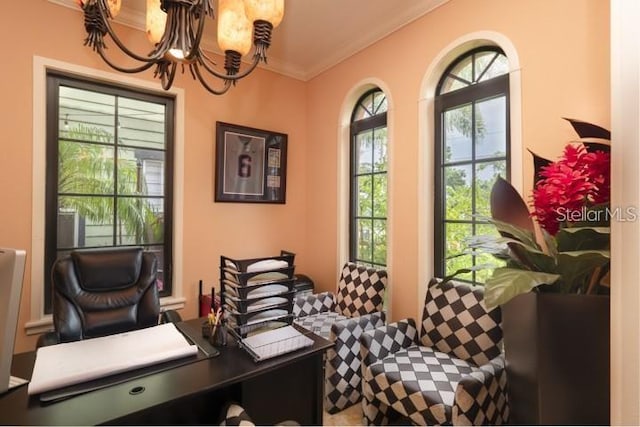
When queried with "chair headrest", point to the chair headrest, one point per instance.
{"points": [[107, 269]]}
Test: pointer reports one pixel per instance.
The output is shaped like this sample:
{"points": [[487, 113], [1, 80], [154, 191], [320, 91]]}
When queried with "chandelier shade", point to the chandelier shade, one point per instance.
{"points": [[176, 27]]}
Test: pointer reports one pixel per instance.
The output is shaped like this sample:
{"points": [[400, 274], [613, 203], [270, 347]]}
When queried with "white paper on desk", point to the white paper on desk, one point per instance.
{"points": [[71, 363]]}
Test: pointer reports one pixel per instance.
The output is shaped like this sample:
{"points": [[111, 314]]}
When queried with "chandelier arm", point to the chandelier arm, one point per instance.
{"points": [[232, 77], [167, 82], [227, 83], [150, 59], [246, 71], [142, 67]]}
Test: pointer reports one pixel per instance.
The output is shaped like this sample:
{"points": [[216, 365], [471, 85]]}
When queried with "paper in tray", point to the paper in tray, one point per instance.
{"points": [[251, 306], [248, 292], [275, 342], [241, 319]]}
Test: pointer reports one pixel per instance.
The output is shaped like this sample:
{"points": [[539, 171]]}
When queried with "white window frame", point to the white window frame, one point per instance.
{"points": [[39, 321]]}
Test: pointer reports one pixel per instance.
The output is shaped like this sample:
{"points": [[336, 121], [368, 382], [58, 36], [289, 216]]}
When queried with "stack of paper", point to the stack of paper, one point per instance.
{"points": [[72, 363]]}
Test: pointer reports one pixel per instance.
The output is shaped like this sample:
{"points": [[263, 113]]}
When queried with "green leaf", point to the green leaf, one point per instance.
{"points": [[538, 164], [583, 238], [507, 283], [507, 205], [576, 267], [588, 130], [550, 243], [537, 260], [513, 231]]}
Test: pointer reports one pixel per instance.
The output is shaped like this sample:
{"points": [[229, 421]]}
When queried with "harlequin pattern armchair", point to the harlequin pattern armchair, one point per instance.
{"points": [[341, 318], [453, 373]]}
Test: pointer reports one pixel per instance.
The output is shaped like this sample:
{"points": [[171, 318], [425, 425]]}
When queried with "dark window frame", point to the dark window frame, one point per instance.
{"points": [[54, 80], [358, 126], [471, 94]]}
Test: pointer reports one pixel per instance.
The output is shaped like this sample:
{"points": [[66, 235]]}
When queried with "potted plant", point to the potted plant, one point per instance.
{"points": [[553, 284]]}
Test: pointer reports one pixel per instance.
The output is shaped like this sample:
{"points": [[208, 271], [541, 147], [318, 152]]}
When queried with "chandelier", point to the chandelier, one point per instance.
{"points": [[175, 28]]}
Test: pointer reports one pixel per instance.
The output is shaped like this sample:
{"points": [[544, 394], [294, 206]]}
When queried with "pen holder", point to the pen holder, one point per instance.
{"points": [[219, 334]]}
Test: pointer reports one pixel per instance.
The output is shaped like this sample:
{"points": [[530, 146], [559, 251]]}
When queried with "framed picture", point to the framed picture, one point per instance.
{"points": [[251, 165]]}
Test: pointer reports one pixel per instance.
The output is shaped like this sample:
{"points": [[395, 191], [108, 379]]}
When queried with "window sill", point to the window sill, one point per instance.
{"points": [[45, 324]]}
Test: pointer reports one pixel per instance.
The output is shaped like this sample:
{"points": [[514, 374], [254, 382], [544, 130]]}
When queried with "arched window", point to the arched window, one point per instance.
{"points": [[368, 180], [471, 151]]}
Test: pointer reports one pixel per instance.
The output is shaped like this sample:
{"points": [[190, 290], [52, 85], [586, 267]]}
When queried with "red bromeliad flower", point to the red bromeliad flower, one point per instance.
{"points": [[578, 179]]}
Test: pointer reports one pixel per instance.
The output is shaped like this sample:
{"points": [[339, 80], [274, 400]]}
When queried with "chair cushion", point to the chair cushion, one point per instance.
{"points": [[418, 382], [360, 290], [320, 324], [107, 270], [456, 321]]}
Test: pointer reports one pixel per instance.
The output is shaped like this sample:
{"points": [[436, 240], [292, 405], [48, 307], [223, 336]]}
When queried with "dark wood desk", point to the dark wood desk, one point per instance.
{"points": [[288, 387]]}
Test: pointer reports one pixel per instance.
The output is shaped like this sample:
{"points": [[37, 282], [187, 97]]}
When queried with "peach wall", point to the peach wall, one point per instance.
{"points": [[563, 48], [265, 100]]}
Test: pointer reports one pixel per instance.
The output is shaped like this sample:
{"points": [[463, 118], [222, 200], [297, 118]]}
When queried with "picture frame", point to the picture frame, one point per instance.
{"points": [[251, 164]]}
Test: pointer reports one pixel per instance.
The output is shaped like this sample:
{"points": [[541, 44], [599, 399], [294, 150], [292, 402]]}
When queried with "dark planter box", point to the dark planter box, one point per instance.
{"points": [[557, 353]]}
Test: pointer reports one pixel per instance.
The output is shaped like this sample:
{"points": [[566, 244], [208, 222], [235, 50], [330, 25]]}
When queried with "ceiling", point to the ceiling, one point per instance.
{"points": [[314, 34]]}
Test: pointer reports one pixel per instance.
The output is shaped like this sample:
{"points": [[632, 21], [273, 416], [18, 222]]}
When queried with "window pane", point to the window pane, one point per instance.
{"points": [[379, 102], [499, 67], [457, 194], [365, 238], [365, 197], [141, 123], [158, 251], [86, 115], [485, 259], [455, 245], [364, 148], [140, 172], [85, 221], [483, 59], [450, 84], [85, 168], [455, 264], [380, 149], [380, 241], [486, 175], [457, 134], [380, 195], [138, 221], [456, 234], [491, 128], [464, 70]]}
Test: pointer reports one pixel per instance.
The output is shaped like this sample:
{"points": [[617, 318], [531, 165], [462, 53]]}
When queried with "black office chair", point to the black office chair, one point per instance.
{"points": [[101, 292]]}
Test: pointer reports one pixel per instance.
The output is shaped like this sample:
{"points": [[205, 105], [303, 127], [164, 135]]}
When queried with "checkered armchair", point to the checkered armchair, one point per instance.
{"points": [[452, 373], [342, 318]]}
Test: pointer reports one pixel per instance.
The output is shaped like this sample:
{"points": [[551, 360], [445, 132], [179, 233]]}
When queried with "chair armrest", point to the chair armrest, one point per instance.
{"points": [[314, 304], [346, 333], [378, 343], [481, 396], [48, 338], [170, 316], [349, 331]]}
